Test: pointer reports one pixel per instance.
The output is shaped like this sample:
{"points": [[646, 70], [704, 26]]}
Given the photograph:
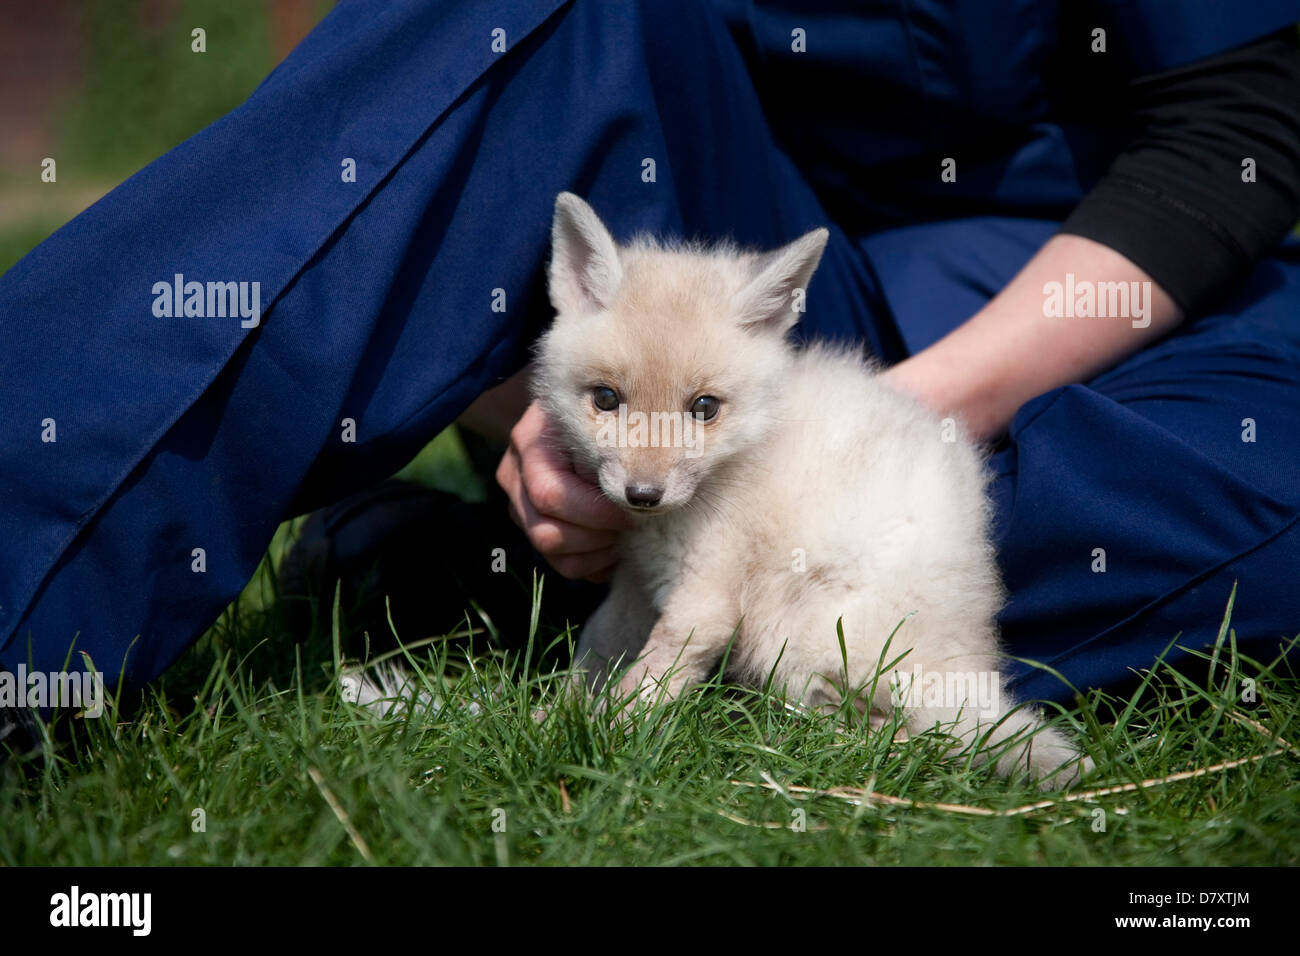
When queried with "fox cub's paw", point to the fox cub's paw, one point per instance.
{"points": [[1049, 759]]}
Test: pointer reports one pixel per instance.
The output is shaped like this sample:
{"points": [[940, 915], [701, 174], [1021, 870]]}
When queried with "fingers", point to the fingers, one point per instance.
{"points": [[555, 536], [557, 491], [566, 517], [592, 566]]}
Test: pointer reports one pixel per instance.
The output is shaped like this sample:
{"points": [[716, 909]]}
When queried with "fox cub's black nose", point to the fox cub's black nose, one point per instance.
{"points": [[643, 496]]}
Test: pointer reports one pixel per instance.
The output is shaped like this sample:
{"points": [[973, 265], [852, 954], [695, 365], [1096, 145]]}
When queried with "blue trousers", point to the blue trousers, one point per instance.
{"points": [[146, 458]]}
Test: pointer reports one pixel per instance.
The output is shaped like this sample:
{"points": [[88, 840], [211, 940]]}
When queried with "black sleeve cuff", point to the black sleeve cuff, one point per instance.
{"points": [[1184, 251], [1174, 202]]}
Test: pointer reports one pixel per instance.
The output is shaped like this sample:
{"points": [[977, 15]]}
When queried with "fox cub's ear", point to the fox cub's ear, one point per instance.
{"points": [[585, 271], [768, 300]]}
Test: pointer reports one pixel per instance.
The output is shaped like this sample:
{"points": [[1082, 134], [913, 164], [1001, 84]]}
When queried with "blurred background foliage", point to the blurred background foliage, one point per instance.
{"points": [[145, 90], [106, 86]]}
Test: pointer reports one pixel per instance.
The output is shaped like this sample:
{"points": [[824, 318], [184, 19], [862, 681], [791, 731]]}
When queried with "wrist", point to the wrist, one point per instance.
{"points": [[494, 413], [969, 387]]}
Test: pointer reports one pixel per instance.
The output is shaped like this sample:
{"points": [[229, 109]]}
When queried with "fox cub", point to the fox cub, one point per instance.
{"points": [[775, 492]]}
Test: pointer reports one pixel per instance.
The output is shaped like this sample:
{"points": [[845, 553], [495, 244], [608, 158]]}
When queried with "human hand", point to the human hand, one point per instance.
{"points": [[985, 414], [565, 515]]}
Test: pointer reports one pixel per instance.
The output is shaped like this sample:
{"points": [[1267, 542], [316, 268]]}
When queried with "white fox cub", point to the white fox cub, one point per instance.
{"points": [[775, 492]]}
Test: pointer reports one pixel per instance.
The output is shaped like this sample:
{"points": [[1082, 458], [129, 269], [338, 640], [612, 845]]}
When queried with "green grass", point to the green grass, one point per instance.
{"points": [[249, 729], [143, 91]]}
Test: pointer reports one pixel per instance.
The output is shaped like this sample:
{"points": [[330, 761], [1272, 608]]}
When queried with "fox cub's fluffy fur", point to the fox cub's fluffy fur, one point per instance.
{"points": [[815, 493]]}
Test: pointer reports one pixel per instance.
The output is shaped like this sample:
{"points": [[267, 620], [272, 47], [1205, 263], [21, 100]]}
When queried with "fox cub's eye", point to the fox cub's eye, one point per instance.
{"points": [[706, 407], [604, 398]]}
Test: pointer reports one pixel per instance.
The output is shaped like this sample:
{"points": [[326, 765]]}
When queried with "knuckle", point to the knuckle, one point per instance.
{"points": [[546, 494], [569, 567], [546, 538]]}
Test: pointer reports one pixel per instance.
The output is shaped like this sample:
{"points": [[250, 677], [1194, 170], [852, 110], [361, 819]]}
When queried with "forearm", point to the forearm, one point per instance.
{"points": [[1177, 209], [1011, 351]]}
